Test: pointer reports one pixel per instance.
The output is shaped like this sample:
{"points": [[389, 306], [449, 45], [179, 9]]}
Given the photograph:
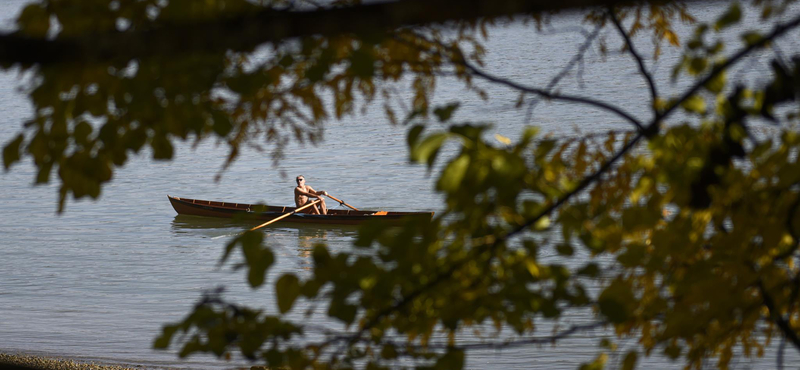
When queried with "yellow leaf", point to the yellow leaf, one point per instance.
{"points": [[502, 139], [532, 267], [672, 38], [542, 224]]}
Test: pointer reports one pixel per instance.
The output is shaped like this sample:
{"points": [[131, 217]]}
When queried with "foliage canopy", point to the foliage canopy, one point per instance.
{"points": [[690, 246]]}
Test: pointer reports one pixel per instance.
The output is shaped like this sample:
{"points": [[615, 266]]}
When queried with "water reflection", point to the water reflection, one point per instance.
{"points": [[307, 238], [307, 235], [183, 223]]}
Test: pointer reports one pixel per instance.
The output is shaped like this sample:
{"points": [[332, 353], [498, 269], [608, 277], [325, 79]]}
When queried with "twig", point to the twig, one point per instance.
{"points": [[546, 94], [786, 329], [578, 57], [512, 343], [532, 90], [777, 31], [647, 76]]}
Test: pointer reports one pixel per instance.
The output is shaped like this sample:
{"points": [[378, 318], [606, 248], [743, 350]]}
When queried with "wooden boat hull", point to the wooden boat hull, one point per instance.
{"points": [[260, 212]]}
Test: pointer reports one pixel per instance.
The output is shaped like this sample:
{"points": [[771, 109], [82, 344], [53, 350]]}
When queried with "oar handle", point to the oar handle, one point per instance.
{"points": [[286, 215], [341, 202]]}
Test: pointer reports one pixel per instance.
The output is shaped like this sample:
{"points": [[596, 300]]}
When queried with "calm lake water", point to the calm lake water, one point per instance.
{"points": [[99, 281]]}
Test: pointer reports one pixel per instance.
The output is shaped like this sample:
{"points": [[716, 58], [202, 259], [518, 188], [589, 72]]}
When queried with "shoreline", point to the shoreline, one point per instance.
{"points": [[23, 361]]}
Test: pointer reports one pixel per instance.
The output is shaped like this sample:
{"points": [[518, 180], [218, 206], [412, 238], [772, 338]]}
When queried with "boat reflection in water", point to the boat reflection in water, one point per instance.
{"points": [[280, 234], [308, 237], [185, 224]]}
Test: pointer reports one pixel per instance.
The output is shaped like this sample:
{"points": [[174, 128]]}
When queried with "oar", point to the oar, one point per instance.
{"points": [[341, 202], [286, 215]]}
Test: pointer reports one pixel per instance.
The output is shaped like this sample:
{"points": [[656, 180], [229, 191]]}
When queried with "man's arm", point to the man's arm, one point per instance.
{"points": [[298, 191], [316, 193]]}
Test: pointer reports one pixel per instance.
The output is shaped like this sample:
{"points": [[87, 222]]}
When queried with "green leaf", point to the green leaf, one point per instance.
{"points": [[629, 363], [452, 360], [317, 71], [286, 61], [287, 290], [717, 83], [565, 249], [590, 270], [697, 65], [413, 135], [731, 17], [673, 351], [343, 311], [257, 258], [34, 21], [11, 151], [617, 302], [362, 63], [444, 113], [598, 363], [453, 174], [389, 352], [163, 340], [633, 256], [427, 150], [162, 147], [81, 132], [752, 37], [222, 125], [694, 104]]}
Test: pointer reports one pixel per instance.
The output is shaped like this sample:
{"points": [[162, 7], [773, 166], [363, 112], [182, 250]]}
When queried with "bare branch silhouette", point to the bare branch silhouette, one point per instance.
{"points": [[546, 94], [577, 58], [778, 31], [244, 32], [639, 61]]}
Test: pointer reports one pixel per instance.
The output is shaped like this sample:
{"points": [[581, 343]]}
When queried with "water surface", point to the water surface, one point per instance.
{"points": [[99, 281]]}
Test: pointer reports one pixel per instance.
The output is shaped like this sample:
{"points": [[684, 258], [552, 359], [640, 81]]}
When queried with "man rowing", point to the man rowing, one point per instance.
{"points": [[302, 194]]}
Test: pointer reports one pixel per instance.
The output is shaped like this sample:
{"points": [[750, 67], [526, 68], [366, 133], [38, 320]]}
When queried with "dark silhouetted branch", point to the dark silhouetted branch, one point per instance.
{"points": [[548, 95], [639, 61], [243, 33], [577, 58], [778, 31], [779, 320]]}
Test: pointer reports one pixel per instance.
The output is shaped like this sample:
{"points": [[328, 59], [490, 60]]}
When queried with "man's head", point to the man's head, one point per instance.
{"points": [[300, 180]]}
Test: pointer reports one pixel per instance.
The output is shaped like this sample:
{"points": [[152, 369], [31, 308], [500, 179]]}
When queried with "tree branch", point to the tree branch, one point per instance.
{"points": [[786, 329], [586, 181], [549, 339], [779, 30], [647, 76], [649, 130], [244, 32], [449, 272], [546, 94], [575, 59]]}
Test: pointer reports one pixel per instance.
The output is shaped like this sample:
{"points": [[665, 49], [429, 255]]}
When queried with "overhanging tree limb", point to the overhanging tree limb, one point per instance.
{"points": [[243, 33], [639, 61], [585, 183], [576, 59], [778, 31], [549, 95]]}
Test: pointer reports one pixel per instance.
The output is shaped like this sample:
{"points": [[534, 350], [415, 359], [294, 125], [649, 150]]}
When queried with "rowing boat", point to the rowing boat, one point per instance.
{"points": [[210, 208]]}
